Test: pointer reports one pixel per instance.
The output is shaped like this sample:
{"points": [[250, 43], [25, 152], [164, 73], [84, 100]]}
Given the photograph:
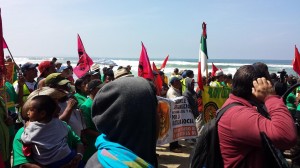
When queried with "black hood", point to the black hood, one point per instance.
{"points": [[125, 110]]}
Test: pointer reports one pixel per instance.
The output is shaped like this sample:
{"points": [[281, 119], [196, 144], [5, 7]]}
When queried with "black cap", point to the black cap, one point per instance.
{"points": [[173, 79], [27, 66], [95, 83]]}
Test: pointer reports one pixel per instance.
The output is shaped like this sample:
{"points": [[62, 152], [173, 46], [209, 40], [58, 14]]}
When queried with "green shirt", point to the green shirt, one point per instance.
{"points": [[81, 98], [290, 103], [18, 155], [86, 108], [12, 97]]}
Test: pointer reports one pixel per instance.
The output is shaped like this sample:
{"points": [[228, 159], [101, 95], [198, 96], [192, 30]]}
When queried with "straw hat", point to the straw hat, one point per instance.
{"points": [[95, 67], [122, 73], [52, 92]]}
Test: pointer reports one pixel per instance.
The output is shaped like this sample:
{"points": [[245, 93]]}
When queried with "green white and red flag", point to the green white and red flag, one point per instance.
{"points": [[203, 49], [202, 63]]}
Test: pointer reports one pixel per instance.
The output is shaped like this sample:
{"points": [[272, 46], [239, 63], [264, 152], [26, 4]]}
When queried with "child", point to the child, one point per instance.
{"points": [[47, 135]]}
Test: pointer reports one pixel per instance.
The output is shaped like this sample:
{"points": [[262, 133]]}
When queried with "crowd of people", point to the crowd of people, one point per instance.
{"points": [[109, 118]]}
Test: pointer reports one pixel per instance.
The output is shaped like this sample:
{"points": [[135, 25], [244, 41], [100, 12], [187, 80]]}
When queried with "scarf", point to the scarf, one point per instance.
{"points": [[112, 154]]}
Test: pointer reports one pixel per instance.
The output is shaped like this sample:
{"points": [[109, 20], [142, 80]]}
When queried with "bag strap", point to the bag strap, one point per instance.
{"points": [[222, 110]]}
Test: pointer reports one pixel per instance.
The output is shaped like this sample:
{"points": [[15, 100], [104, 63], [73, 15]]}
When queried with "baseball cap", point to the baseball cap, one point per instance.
{"points": [[173, 79], [62, 68], [44, 65], [95, 83], [56, 79], [28, 65]]}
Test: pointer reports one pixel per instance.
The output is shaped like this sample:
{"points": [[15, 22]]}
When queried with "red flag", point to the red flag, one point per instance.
{"points": [[4, 44], [2, 62], [163, 65], [158, 80], [83, 65], [80, 45], [200, 83], [296, 61], [84, 62], [145, 70], [154, 67], [214, 69]]}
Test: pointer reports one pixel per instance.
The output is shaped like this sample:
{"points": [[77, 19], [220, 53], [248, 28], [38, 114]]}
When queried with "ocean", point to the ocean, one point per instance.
{"points": [[227, 65]]}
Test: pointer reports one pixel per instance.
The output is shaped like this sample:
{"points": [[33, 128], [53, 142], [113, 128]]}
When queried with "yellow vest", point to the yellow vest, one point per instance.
{"points": [[26, 91]]}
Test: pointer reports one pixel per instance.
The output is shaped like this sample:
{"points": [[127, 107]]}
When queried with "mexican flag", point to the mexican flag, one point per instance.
{"points": [[203, 50]]}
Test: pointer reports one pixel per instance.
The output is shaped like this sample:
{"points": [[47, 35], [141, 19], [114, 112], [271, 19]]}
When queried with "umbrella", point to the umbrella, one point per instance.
{"points": [[105, 61]]}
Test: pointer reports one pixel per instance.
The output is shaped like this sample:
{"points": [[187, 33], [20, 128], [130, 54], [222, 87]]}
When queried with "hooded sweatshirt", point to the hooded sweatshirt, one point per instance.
{"points": [[49, 140], [125, 111], [191, 96]]}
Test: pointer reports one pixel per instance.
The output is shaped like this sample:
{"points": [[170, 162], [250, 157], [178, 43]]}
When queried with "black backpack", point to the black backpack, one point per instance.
{"points": [[207, 153]]}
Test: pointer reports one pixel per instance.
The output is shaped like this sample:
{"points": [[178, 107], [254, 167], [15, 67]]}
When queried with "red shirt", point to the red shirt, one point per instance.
{"points": [[240, 126]]}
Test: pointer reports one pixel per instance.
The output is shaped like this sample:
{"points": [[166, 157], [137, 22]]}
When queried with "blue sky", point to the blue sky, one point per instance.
{"points": [[236, 29]]}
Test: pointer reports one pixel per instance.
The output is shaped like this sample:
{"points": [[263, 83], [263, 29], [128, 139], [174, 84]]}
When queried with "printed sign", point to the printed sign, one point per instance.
{"points": [[213, 98], [176, 120]]}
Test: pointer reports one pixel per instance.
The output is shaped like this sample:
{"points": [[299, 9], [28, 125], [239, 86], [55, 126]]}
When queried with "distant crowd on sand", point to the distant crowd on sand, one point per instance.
{"points": [[108, 118]]}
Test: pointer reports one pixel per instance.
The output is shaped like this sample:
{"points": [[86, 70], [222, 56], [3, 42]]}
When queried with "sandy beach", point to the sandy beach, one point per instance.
{"points": [[167, 159]]}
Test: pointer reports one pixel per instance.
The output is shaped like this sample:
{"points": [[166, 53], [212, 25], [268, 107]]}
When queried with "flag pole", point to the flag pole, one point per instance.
{"points": [[17, 66], [2, 66], [206, 71]]}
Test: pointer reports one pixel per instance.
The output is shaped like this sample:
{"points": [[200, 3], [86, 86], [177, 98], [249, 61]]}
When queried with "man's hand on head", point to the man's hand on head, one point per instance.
{"points": [[262, 88]]}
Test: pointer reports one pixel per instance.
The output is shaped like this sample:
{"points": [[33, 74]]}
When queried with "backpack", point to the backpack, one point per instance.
{"points": [[207, 153]]}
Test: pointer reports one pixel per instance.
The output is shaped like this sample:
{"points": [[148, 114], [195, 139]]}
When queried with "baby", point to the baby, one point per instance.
{"points": [[46, 135]]}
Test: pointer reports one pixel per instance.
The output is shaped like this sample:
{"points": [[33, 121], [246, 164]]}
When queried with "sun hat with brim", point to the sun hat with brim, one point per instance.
{"points": [[28, 65], [122, 72], [56, 79], [56, 94], [95, 67]]}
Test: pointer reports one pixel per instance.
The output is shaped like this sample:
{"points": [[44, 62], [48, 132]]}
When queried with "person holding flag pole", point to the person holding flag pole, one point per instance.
{"points": [[4, 130], [11, 56]]}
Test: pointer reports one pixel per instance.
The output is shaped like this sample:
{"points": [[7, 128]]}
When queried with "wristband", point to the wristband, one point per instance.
{"points": [[80, 155]]}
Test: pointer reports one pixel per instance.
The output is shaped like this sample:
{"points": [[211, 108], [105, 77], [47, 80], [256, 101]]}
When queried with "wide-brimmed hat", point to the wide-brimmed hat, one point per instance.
{"points": [[95, 67], [121, 73], [56, 94]]}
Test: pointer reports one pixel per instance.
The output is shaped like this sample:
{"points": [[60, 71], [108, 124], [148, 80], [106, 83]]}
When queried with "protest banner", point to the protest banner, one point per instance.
{"points": [[213, 98], [176, 120]]}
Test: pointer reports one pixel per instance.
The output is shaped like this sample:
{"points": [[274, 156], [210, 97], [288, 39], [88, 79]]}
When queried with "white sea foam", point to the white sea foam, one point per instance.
{"points": [[228, 66]]}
